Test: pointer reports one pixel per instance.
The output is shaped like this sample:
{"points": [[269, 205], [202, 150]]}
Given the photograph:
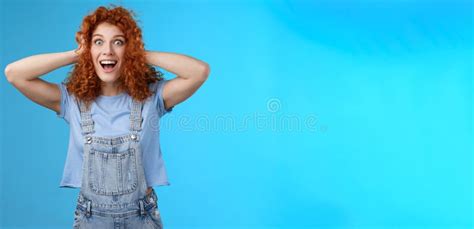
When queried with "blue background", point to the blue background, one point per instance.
{"points": [[317, 114]]}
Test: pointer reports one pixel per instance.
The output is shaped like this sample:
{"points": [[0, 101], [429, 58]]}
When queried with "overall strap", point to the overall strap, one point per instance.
{"points": [[136, 118], [87, 124]]}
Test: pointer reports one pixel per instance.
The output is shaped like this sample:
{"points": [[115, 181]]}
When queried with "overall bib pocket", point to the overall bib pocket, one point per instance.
{"points": [[113, 173]]}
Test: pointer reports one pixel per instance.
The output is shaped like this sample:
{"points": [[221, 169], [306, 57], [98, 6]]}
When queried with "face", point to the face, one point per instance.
{"points": [[107, 50]]}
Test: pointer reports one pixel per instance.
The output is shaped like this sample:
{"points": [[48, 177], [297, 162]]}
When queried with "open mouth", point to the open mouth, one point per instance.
{"points": [[108, 65]]}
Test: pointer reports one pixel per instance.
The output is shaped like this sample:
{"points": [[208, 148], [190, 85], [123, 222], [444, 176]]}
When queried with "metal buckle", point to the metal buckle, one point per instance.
{"points": [[134, 137], [88, 208], [88, 140], [142, 207]]}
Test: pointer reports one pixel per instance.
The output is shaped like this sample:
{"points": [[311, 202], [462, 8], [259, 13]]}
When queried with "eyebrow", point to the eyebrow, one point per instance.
{"points": [[103, 36]]}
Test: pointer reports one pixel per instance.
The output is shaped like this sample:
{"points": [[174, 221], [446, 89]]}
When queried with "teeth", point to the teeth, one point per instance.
{"points": [[108, 62]]}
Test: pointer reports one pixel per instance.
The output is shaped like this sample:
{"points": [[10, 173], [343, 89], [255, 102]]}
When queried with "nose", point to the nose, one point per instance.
{"points": [[107, 50]]}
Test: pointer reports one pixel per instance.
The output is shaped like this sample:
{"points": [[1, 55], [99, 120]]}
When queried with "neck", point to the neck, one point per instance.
{"points": [[110, 89]]}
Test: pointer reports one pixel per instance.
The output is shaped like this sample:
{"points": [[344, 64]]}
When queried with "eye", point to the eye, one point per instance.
{"points": [[119, 42], [98, 42]]}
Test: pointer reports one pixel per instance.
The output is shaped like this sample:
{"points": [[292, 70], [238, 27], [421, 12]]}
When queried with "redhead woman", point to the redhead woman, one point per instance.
{"points": [[112, 101]]}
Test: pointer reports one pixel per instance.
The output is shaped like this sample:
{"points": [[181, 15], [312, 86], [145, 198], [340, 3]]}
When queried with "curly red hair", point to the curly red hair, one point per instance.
{"points": [[136, 74]]}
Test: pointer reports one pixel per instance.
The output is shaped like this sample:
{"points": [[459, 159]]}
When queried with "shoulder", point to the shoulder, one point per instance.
{"points": [[157, 87], [64, 91], [157, 90]]}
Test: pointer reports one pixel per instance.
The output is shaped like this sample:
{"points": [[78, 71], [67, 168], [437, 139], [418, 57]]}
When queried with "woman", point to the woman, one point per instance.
{"points": [[112, 101]]}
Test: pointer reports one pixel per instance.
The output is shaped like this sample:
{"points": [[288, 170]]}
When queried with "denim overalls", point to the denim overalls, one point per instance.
{"points": [[113, 190]]}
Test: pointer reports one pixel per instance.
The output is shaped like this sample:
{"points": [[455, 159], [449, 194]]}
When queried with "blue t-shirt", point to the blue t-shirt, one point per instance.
{"points": [[111, 118]]}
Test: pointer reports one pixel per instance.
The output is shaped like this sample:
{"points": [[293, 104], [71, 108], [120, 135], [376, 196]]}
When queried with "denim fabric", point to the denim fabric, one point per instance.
{"points": [[113, 187]]}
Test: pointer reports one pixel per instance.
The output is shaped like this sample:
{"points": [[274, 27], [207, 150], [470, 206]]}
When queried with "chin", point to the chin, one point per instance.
{"points": [[108, 79]]}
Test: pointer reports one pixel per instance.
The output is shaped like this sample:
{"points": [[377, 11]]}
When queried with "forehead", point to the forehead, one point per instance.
{"points": [[107, 30]]}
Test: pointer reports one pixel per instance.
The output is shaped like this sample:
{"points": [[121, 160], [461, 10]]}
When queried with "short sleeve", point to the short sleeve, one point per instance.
{"points": [[64, 110], [160, 103]]}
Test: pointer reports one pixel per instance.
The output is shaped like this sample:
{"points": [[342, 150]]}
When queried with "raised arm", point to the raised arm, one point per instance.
{"points": [[191, 74], [24, 75]]}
